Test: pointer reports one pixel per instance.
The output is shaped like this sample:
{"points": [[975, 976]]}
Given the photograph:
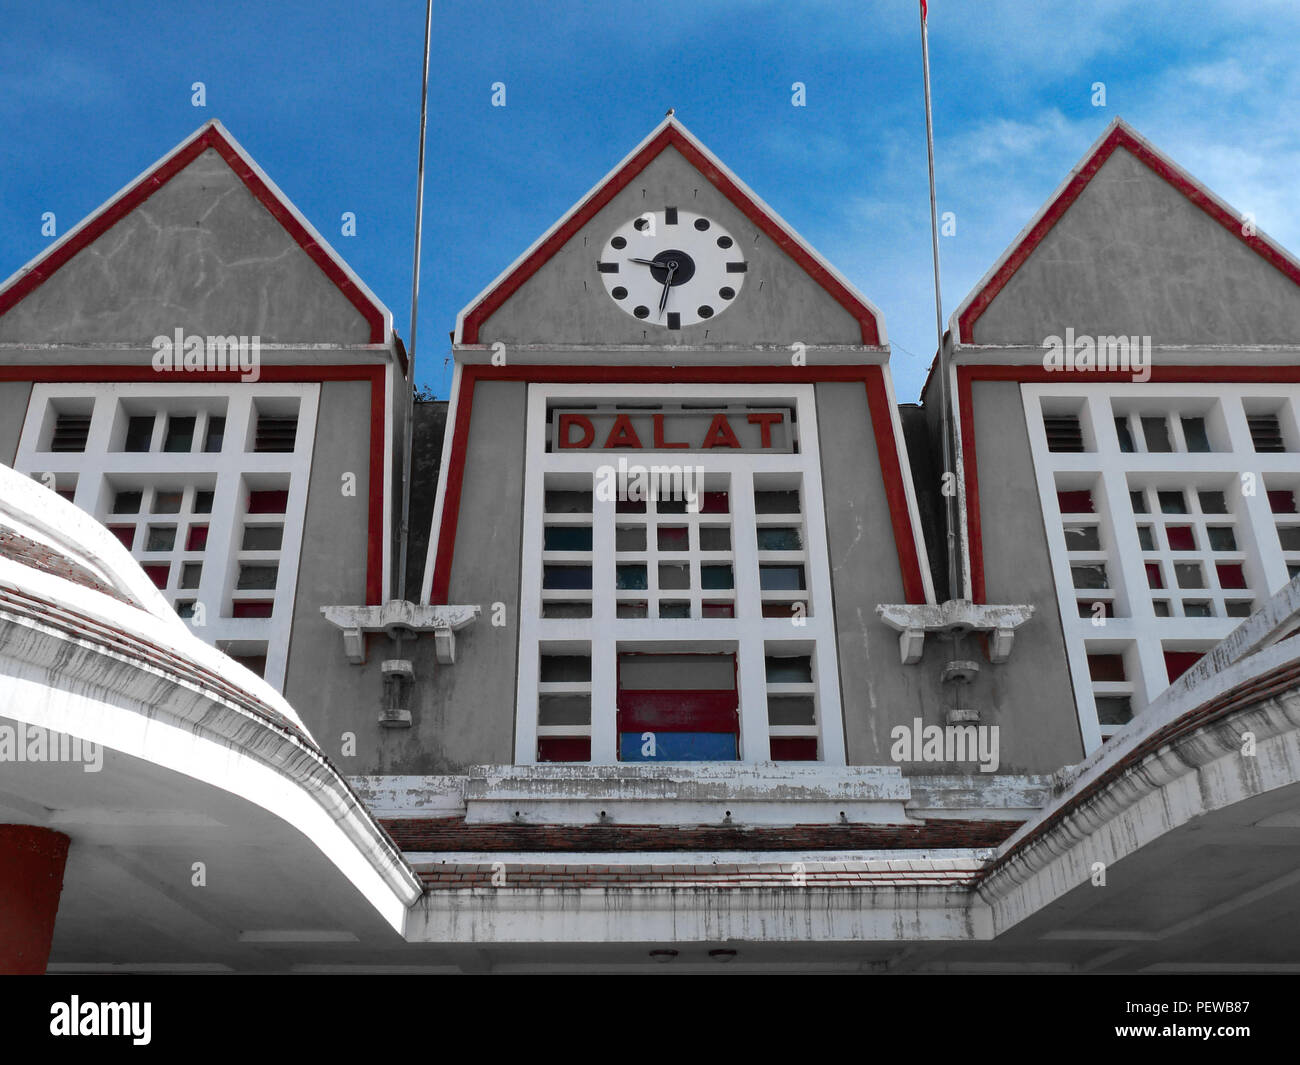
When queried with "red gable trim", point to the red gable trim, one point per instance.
{"points": [[671, 135], [374, 374], [872, 377], [968, 375], [1119, 137], [209, 137]]}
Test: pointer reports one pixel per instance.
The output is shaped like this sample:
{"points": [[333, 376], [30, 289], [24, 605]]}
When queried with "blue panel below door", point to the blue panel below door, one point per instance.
{"points": [[680, 747]]}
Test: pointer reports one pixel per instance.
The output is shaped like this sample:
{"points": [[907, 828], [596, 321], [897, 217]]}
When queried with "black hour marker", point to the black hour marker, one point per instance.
{"points": [[737, 268], [705, 312], [674, 320], [640, 224], [642, 312], [619, 293], [670, 216], [608, 268], [725, 242], [619, 242], [727, 292], [701, 224]]}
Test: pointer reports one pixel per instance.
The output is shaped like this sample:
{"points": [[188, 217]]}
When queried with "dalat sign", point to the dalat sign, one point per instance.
{"points": [[734, 429]]}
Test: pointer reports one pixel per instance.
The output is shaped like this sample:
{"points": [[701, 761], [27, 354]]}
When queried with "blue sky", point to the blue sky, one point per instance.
{"points": [[325, 95]]}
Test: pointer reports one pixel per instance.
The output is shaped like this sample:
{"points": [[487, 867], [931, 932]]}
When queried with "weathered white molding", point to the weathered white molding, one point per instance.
{"points": [[914, 621], [399, 618]]}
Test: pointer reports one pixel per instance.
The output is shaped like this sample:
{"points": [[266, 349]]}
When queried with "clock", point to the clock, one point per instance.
{"points": [[672, 268]]}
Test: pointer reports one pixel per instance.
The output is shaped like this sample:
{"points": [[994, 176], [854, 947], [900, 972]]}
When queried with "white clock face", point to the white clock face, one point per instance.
{"points": [[672, 268]]}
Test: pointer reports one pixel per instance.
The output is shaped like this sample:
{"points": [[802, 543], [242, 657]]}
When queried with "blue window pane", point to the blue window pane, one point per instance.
{"points": [[679, 747]]}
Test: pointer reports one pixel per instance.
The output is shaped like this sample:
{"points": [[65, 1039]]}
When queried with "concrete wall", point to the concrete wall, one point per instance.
{"points": [[1133, 255], [201, 254], [464, 714], [332, 696], [566, 303], [14, 397], [1030, 696]]}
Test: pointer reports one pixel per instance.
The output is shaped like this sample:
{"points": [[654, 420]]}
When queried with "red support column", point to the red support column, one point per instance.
{"points": [[31, 880]]}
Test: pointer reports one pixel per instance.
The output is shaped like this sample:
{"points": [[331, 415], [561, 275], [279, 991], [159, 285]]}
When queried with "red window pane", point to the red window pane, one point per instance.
{"points": [[251, 608], [1074, 502], [794, 748], [714, 503], [1179, 662], [268, 502], [157, 574], [125, 533], [1153, 575], [1180, 538], [68, 493], [564, 749], [1106, 667], [197, 539], [1282, 502], [718, 610], [1231, 575]]}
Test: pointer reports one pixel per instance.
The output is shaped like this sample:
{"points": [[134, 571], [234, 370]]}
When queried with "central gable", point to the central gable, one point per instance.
{"points": [[556, 294]]}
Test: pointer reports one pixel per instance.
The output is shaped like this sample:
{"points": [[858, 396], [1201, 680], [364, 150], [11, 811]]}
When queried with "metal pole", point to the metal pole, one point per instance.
{"points": [[956, 585], [405, 529]]}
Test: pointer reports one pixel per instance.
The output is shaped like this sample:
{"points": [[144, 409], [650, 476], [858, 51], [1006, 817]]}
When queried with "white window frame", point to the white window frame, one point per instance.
{"points": [[748, 634], [1141, 636], [227, 468]]}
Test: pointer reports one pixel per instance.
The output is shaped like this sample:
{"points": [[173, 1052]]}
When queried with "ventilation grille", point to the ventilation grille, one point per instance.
{"points": [[1063, 432], [70, 432], [1265, 432], [275, 434]]}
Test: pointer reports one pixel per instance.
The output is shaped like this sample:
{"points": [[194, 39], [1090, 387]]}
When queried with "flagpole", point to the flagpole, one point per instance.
{"points": [[956, 584], [405, 528]]}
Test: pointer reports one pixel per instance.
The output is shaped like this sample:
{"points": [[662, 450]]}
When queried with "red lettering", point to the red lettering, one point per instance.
{"points": [[582, 422], [720, 433], [621, 434], [660, 442], [765, 420]]}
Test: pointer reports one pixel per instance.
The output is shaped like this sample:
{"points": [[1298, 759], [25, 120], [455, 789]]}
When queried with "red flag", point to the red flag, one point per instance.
{"points": [[923, 11]]}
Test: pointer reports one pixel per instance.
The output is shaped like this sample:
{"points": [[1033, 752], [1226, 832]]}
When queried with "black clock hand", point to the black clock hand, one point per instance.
{"points": [[647, 262], [668, 281]]}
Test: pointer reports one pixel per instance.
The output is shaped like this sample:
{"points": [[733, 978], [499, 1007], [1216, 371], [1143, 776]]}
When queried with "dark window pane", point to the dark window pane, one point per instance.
{"points": [[673, 538], [715, 538], [557, 669], [567, 538], [776, 502], [216, 434], [566, 577], [1114, 709], [716, 577], [1082, 538], [180, 434], [780, 538], [203, 502], [794, 669], [568, 502], [167, 502], [1222, 538], [1212, 502], [1172, 502], [1195, 435], [127, 502], [139, 433], [259, 576], [630, 578], [1125, 437], [629, 538], [160, 538], [671, 576], [781, 578], [1156, 432], [262, 537]]}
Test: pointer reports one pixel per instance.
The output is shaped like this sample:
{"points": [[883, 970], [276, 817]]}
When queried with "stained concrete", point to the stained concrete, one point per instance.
{"points": [[1134, 256], [566, 303], [14, 397], [201, 254]]}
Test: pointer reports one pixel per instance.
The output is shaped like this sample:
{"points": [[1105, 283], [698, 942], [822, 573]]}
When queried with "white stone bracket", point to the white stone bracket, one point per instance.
{"points": [[400, 619], [956, 617]]}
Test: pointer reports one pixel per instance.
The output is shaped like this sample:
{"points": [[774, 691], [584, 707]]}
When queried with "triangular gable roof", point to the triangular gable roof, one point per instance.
{"points": [[211, 135], [1119, 134], [671, 133]]}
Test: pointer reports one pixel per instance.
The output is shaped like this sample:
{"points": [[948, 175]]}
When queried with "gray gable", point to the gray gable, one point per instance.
{"points": [[564, 302], [1133, 255], [202, 254]]}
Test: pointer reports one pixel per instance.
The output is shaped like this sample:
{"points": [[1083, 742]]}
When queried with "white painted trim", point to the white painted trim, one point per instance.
{"points": [[440, 497]]}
